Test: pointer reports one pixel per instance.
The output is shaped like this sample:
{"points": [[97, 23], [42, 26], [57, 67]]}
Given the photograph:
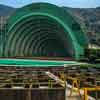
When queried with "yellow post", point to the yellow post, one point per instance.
{"points": [[50, 83], [75, 82], [85, 94], [63, 78]]}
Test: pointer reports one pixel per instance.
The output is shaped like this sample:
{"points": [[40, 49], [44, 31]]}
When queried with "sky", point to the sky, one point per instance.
{"points": [[67, 3]]}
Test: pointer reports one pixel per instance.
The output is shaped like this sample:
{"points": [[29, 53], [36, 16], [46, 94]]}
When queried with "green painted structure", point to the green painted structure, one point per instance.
{"points": [[43, 30], [35, 63], [43, 63]]}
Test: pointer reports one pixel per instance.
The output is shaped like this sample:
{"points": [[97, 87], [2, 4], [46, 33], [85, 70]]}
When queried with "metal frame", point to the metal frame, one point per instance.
{"points": [[58, 14]]}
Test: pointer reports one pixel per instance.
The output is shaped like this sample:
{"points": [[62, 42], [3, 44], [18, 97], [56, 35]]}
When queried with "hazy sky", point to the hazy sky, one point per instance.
{"points": [[68, 3]]}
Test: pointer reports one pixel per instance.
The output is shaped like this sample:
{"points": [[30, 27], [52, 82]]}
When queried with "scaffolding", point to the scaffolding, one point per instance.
{"points": [[85, 81], [77, 77], [30, 83]]}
